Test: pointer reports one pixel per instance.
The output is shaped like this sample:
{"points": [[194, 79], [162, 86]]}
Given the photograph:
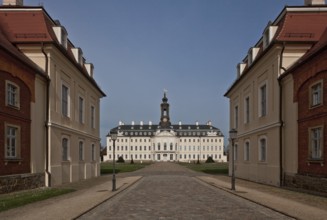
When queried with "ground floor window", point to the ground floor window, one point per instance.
{"points": [[12, 141], [316, 143], [262, 149]]}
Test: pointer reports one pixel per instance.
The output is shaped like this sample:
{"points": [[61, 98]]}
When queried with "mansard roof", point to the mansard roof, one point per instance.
{"points": [[297, 24], [182, 130], [28, 25]]}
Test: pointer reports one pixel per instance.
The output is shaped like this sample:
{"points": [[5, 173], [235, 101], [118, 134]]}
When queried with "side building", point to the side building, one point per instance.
{"points": [[310, 93], [261, 100], [71, 147], [166, 141], [22, 98]]}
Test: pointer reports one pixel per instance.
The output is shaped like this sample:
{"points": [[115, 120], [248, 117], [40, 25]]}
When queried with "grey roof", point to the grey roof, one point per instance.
{"points": [[182, 130]]}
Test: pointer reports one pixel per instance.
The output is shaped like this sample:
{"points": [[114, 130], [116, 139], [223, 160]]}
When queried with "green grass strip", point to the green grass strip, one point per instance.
{"points": [[107, 168], [17, 199], [210, 168]]}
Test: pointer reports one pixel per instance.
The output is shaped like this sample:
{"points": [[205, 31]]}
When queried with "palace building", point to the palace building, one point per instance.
{"points": [[166, 141]]}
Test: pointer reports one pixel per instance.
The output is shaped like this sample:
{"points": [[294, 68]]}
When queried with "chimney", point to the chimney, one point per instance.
{"points": [[13, 2], [314, 2], [141, 123], [150, 123]]}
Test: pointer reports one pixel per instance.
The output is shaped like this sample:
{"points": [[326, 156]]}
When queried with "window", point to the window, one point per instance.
{"points": [[262, 149], [93, 116], [65, 100], [316, 94], [93, 152], [263, 100], [235, 151], [12, 141], [247, 110], [236, 117], [12, 97], [165, 146], [316, 143], [171, 146], [81, 150], [247, 151], [81, 109], [65, 149]]}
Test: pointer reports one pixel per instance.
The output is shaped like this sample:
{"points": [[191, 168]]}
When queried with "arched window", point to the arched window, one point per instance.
{"points": [[81, 151], [247, 150], [263, 149], [65, 149]]}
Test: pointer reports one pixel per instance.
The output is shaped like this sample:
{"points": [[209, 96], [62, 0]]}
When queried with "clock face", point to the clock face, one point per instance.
{"points": [[165, 119]]}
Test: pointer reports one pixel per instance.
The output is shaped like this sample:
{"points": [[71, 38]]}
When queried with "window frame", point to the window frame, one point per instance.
{"points": [[16, 98], [247, 150], [81, 109], [236, 116], [263, 103], [81, 155], [65, 109], [92, 122], [65, 157], [321, 143], [262, 157], [17, 142], [311, 94], [247, 110]]}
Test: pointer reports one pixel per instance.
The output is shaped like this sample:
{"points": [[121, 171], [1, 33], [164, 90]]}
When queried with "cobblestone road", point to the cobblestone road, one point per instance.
{"points": [[169, 191]]}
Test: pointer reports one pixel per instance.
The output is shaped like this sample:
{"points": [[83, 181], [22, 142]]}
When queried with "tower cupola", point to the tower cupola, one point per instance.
{"points": [[164, 119]]}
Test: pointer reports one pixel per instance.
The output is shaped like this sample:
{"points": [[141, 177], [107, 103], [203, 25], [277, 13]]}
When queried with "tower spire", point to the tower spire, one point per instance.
{"points": [[164, 119]]}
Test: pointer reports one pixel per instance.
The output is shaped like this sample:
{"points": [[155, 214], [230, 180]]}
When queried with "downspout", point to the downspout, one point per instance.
{"points": [[47, 122], [281, 122]]}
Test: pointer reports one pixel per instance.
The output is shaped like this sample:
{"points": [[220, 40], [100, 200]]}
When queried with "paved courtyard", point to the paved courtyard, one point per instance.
{"points": [[169, 191]]}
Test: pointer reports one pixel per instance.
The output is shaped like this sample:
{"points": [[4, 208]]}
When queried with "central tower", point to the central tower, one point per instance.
{"points": [[164, 119]]}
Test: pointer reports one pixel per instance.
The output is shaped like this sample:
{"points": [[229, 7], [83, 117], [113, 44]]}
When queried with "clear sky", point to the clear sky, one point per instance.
{"points": [[141, 47]]}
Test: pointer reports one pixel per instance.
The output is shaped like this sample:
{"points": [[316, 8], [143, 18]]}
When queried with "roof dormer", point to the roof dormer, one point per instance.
{"points": [[78, 55], [253, 52], [89, 68], [61, 35], [13, 2], [268, 35], [240, 69]]}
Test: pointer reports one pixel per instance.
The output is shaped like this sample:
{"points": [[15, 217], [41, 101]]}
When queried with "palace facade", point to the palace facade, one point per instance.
{"points": [[166, 141]]}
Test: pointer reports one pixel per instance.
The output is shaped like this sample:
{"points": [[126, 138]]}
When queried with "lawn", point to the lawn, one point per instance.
{"points": [[210, 168], [106, 167], [16, 199]]}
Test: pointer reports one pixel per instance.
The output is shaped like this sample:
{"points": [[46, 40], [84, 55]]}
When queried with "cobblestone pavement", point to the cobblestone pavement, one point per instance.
{"points": [[169, 191]]}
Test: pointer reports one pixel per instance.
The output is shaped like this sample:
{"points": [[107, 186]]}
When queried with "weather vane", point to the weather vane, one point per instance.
{"points": [[165, 91]]}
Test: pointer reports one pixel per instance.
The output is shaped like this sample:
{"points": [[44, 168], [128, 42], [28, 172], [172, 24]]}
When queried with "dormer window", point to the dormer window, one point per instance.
{"points": [[268, 35], [61, 35], [253, 52], [78, 55], [240, 69]]}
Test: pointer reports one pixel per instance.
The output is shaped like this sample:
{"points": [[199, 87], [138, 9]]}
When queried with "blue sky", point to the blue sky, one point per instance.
{"points": [[141, 47]]}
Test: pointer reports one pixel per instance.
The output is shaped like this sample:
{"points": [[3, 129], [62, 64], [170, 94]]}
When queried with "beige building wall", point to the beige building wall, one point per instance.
{"points": [[62, 71], [264, 72], [290, 127], [38, 132]]}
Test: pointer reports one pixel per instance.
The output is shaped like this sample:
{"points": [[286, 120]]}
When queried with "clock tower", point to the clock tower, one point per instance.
{"points": [[164, 119]]}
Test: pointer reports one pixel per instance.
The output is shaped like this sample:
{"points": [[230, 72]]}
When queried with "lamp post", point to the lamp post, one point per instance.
{"points": [[113, 135], [233, 136]]}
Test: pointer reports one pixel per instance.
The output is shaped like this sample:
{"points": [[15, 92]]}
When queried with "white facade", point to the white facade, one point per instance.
{"points": [[166, 142]]}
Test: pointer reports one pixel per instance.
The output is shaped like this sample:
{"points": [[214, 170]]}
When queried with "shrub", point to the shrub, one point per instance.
{"points": [[210, 160], [120, 160]]}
